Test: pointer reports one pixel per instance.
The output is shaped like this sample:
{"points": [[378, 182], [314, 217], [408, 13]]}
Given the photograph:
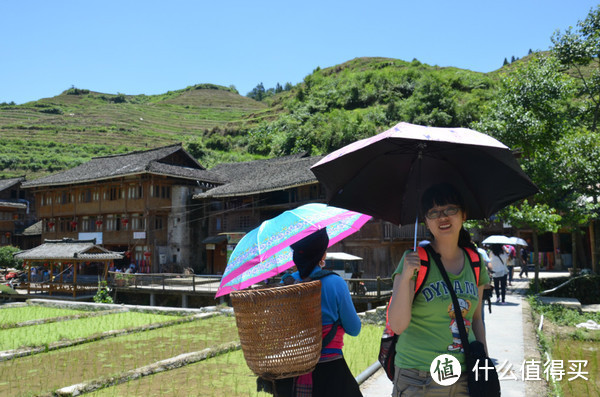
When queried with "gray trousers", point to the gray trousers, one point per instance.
{"points": [[415, 383]]}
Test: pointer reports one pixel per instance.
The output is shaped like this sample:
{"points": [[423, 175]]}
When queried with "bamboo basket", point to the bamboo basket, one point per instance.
{"points": [[280, 329]]}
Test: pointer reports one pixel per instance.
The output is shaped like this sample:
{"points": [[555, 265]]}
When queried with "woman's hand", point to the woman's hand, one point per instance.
{"points": [[412, 263]]}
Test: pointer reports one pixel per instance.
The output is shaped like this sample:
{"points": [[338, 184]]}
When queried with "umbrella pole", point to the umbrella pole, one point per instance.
{"points": [[416, 226], [419, 160]]}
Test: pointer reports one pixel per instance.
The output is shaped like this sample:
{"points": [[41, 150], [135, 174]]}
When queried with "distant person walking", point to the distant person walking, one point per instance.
{"points": [[524, 263], [500, 272]]}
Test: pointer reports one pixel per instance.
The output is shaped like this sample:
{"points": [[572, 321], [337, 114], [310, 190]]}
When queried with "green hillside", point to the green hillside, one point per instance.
{"points": [[330, 108], [61, 132]]}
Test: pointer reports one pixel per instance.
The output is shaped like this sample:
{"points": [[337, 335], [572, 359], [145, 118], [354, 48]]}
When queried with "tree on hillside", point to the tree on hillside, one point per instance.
{"points": [[533, 115], [579, 50], [505, 62], [257, 93]]}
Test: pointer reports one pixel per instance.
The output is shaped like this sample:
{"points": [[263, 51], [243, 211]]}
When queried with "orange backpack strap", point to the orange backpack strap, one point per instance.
{"points": [[423, 270], [421, 276], [475, 262]]}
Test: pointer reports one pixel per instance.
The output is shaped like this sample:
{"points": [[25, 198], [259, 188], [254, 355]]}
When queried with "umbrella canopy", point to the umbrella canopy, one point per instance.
{"points": [[385, 175], [518, 241], [265, 251], [498, 239]]}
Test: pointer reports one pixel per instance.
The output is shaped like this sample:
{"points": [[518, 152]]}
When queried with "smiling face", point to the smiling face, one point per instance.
{"points": [[443, 210], [445, 220]]}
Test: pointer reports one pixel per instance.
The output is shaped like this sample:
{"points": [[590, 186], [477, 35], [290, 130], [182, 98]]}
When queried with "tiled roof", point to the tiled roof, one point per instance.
{"points": [[12, 204], [10, 182], [66, 249], [33, 230], [261, 176], [170, 160]]}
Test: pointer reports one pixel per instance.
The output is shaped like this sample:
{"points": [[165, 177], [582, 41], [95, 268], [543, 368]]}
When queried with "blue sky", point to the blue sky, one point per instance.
{"points": [[150, 47]]}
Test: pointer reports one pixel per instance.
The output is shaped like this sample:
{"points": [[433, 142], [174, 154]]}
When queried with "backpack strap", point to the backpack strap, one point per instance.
{"points": [[334, 327], [475, 260], [423, 270]]}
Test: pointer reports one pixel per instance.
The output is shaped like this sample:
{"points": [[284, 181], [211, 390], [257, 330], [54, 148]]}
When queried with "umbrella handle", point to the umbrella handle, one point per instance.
{"points": [[416, 225]]}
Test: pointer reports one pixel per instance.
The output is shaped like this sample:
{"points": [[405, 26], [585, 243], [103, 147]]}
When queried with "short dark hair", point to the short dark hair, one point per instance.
{"points": [[440, 194], [309, 251]]}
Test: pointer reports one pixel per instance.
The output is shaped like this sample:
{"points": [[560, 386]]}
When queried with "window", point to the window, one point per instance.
{"points": [[135, 192], [64, 198], [161, 191], [113, 193], [110, 223], [85, 224], [218, 225], [158, 223], [86, 196], [138, 222], [244, 221]]}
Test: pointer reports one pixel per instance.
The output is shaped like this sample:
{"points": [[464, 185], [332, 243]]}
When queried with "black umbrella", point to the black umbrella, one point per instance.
{"points": [[384, 175]]}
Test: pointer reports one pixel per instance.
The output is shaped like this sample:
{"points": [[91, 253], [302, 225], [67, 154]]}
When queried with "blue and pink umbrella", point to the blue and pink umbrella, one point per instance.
{"points": [[265, 251]]}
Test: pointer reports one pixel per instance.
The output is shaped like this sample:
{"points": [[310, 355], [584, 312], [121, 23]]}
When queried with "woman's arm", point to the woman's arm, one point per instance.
{"points": [[478, 328], [400, 310], [347, 313]]}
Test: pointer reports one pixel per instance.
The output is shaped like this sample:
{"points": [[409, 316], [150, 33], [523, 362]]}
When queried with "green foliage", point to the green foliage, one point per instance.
{"points": [[102, 295], [338, 105], [579, 50], [76, 91], [7, 259], [539, 217]]}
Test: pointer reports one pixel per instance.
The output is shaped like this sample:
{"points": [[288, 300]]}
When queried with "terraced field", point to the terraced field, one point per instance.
{"points": [[62, 132], [120, 352]]}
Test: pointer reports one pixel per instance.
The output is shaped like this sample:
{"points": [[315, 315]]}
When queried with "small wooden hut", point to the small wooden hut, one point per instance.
{"points": [[66, 266]]}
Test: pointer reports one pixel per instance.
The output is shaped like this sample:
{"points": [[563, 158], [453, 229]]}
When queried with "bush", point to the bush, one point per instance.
{"points": [[102, 295], [52, 111], [7, 259]]}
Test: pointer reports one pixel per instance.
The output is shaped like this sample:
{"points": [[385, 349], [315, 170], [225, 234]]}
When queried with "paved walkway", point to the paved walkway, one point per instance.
{"points": [[504, 331]]}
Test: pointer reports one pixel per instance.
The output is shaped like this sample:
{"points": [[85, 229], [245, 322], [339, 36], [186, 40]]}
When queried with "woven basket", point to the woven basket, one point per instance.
{"points": [[280, 328]]}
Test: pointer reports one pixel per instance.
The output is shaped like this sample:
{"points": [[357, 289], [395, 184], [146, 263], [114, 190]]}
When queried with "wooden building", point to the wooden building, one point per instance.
{"points": [[138, 203], [17, 210], [66, 266], [259, 190]]}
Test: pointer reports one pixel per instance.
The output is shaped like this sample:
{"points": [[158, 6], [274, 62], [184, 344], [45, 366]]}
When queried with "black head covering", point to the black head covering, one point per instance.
{"points": [[309, 251]]}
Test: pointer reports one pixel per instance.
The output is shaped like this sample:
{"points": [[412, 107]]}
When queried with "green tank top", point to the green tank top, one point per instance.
{"points": [[433, 330]]}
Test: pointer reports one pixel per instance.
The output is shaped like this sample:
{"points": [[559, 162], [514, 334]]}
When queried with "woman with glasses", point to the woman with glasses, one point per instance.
{"points": [[425, 321]]}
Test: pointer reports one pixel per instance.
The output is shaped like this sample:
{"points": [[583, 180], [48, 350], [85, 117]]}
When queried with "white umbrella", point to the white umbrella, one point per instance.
{"points": [[518, 241], [498, 239]]}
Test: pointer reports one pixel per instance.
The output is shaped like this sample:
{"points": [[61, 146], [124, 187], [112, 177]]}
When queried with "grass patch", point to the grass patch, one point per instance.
{"points": [[568, 345], [362, 351], [44, 334], [111, 356], [224, 375], [15, 315]]}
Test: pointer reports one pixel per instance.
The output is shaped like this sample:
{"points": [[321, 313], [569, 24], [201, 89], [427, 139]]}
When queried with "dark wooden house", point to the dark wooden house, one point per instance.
{"points": [[137, 203], [17, 210], [259, 190]]}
